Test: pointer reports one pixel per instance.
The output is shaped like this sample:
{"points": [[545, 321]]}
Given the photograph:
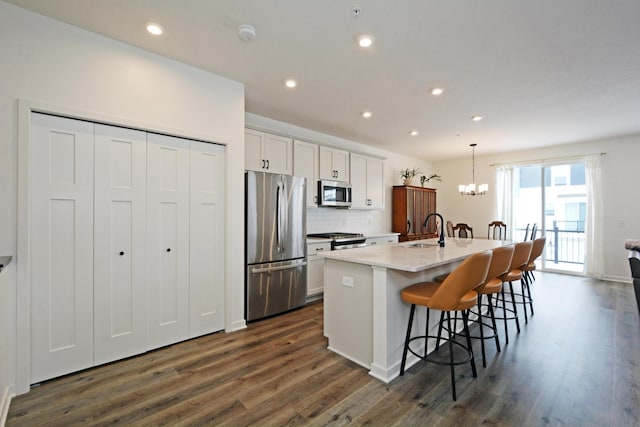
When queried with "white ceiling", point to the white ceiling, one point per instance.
{"points": [[540, 72]]}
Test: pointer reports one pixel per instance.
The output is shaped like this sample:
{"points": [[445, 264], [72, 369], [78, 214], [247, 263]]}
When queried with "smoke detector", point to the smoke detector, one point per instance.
{"points": [[246, 32]]}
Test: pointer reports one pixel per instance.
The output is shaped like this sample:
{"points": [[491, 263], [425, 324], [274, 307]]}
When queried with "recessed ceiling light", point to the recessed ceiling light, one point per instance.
{"points": [[291, 83], [366, 114], [413, 132], [365, 41], [154, 29], [476, 118], [437, 91]]}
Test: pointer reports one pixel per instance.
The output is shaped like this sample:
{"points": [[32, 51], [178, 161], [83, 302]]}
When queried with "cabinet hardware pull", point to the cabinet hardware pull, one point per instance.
{"points": [[121, 253], [262, 163], [168, 249], [267, 164]]}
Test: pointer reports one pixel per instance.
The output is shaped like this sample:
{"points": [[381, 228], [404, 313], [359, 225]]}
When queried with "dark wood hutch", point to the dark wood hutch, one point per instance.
{"points": [[411, 205]]}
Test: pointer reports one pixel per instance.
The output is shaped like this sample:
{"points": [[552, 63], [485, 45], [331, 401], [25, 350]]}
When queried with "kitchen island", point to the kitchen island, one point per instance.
{"points": [[364, 316]]}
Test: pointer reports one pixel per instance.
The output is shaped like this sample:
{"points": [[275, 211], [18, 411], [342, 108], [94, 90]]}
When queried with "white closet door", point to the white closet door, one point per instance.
{"points": [[168, 240], [207, 238], [120, 243], [61, 245]]}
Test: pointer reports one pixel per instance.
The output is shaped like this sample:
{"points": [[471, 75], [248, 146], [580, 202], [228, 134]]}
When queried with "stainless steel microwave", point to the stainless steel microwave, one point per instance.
{"points": [[334, 194]]}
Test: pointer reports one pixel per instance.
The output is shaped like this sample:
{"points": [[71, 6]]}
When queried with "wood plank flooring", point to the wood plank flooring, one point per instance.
{"points": [[576, 363]]}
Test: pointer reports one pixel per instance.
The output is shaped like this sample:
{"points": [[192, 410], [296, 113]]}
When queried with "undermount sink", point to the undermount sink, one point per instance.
{"points": [[422, 245]]}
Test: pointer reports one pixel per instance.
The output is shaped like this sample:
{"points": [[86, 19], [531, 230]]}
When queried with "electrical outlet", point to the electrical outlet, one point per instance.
{"points": [[347, 281]]}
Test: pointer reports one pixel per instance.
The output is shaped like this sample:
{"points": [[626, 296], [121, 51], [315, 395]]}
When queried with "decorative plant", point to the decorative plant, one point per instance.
{"points": [[409, 174], [433, 176]]}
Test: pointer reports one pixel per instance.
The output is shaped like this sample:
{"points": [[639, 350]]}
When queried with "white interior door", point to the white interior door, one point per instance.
{"points": [[207, 238], [120, 243], [168, 239], [61, 245]]}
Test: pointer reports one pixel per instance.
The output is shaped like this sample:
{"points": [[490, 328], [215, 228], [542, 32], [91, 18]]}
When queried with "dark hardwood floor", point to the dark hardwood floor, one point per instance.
{"points": [[575, 363]]}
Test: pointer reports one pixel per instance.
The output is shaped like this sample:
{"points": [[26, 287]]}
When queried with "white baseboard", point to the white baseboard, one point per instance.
{"points": [[237, 325], [618, 279], [4, 404]]}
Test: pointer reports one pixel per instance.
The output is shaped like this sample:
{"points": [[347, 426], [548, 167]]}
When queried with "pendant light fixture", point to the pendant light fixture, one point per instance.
{"points": [[470, 190]]}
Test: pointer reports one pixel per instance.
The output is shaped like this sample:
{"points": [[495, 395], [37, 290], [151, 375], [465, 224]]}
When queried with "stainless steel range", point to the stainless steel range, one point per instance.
{"points": [[341, 240]]}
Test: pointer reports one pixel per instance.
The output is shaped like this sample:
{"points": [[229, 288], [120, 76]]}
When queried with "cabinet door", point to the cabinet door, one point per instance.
{"points": [[278, 154], [375, 183], [367, 182], [61, 246], [207, 257], [326, 164], [340, 161], [315, 268], [305, 164], [359, 191], [253, 150], [168, 240], [120, 218]]}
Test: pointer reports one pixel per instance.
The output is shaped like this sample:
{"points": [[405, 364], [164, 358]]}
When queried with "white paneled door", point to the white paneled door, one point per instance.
{"points": [[126, 242], [207, 238], [168, 239], [61, 245], [119, 243]]}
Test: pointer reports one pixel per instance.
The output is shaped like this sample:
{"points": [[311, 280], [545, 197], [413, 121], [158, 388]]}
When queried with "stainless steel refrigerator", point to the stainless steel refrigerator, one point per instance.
{"points": [[276, 248]]}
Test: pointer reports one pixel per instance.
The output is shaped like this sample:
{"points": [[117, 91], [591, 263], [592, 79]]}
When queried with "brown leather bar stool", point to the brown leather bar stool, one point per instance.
{"points": [[500, 262], [454, 294], [521, 253], [527, 270]]}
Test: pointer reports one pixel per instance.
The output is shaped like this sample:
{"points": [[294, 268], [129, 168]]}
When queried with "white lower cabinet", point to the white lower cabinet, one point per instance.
{"points": [[381, 240], [126, 242], [315, 268]]}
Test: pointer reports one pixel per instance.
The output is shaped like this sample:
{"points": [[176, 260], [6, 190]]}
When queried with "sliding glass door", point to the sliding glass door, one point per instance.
{"points": [[553, 200]]}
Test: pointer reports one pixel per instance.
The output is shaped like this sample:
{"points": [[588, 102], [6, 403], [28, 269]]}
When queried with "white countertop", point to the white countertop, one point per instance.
{"points": [[403, 256]]}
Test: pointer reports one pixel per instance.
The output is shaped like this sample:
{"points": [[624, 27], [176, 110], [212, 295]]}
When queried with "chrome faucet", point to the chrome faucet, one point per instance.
{"points": [[426, 222]]}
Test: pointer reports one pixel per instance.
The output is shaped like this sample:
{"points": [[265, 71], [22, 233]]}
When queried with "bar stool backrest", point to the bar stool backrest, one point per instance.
{"points": [[464, 278], [521, 254], [537, 249], [500, 262]]}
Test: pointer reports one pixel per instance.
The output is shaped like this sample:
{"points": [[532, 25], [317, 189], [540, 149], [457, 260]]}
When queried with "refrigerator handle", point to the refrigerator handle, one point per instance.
{"points": [[258, 270], [280, 217]]}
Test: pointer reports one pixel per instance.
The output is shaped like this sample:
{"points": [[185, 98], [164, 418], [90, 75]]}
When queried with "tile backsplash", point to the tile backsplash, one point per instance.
{"points": [[324, 220]]}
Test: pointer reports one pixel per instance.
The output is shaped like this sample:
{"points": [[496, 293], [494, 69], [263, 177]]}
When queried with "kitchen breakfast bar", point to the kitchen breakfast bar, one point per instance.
{"points": [[365, 319]]}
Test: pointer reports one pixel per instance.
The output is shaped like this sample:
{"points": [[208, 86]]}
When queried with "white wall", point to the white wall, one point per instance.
{"points": [[357, 221], [621, 205], [62, 66]]}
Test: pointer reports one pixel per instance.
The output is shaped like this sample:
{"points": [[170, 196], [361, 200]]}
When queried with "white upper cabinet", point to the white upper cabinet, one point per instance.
{"points": [[268, 153], [305, 164], [367, 182], [334, 164]]}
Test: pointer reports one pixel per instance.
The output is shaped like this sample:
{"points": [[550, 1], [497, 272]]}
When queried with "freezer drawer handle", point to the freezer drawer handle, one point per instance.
{"points": [[281, 267]]}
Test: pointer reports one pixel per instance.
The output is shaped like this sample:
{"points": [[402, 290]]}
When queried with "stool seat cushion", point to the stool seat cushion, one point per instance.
{"points": [[421, 294], [512, 276], [493, 286], [529, 267]]}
